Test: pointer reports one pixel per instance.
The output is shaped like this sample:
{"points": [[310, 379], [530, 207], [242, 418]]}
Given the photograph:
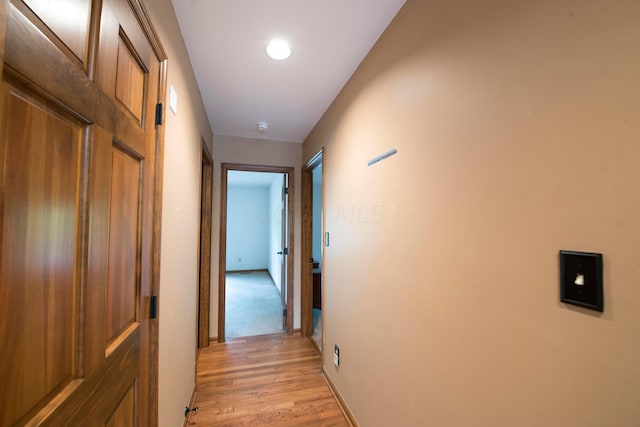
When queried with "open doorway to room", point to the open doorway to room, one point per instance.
{"points": [[255, 231], [254, 300], [312, 229]]}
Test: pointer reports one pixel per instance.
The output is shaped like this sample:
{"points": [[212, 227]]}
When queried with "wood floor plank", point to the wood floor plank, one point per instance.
{"points": [[270, 380]]}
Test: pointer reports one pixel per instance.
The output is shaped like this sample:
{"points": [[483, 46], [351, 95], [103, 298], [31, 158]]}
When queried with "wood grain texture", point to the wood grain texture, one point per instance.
{"points": [[130, 79], [68, 20], [108, 209], [124, 48], [38, 268], [265, 380], [122, 287], [68, 41], [37, 63], [4, 4], [206, 218], [149, 31], [105, 63], [156, 219], [125, 413], [99, 200], [92, 400]]}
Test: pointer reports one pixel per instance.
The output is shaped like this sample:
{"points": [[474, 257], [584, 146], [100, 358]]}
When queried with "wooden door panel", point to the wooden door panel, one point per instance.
{"points": [[124, 250], [96, 398], [30, 55], [107, 62], [130, 79], [124, 59], [78, 221], [129, 25], [68, 20], [38, 271], [124, 415], [98, 200]]}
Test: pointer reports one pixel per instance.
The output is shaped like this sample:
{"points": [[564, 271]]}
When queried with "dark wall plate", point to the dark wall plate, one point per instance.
{"points": [[581, 279]]}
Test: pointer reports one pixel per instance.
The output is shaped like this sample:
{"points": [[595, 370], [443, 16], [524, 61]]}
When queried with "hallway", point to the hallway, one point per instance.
{"points": [[265, 380]]}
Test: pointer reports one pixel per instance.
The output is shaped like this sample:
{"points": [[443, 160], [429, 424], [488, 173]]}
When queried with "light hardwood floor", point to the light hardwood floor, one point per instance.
{"points": [[273, 380]]}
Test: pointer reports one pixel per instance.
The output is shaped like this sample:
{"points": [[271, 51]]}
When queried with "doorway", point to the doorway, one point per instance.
{"points": [[312, 250], [255, 251]]}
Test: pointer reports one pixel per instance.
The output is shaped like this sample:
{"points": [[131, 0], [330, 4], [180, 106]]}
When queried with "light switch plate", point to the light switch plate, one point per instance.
{"points": [[326, 238], [173, 100], [581, 279]]}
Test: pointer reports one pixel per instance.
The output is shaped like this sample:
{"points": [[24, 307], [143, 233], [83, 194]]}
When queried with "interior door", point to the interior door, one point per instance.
{"points": [[78, 141]]}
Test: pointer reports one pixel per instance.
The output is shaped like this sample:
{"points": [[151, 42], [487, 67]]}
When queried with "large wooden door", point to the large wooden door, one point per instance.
{"points": [[78, 208]]}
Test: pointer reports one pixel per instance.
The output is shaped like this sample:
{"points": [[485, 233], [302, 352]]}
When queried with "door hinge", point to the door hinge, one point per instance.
{"points": [[284, 312], [285, 251], [153, 307], [158, 113], [286, 190]]}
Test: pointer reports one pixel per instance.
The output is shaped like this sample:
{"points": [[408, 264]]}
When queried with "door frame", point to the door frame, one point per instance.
{"points": [[284, 237], [307, 243], [204, 247], [226, 167], [4, 5]]}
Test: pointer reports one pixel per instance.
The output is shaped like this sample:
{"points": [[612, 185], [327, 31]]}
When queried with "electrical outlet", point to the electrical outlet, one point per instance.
{"points": [[336, 355]]}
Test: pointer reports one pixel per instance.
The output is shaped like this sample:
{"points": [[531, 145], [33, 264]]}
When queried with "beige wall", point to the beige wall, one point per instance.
{"points": [[229, 149], [518, 126], [180, 222]]}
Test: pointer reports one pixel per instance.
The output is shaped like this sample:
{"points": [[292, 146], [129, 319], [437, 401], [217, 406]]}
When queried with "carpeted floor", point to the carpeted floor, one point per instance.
{"points": [[253, 305], [317, 328]]}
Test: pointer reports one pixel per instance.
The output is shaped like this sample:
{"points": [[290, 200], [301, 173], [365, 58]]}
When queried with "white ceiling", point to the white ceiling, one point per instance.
{"points": [[242, 86]]}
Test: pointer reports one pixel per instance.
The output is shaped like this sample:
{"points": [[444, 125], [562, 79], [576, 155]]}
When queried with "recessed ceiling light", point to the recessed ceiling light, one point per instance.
{"points": [[262, 126], [278, 50]]}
